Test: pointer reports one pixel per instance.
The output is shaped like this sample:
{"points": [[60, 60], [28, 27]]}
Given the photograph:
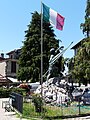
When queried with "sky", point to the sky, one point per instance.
{"points": [[15, 15]]}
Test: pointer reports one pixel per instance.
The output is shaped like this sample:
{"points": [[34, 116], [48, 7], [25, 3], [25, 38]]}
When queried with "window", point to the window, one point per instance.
{"points": [[13, 67]]}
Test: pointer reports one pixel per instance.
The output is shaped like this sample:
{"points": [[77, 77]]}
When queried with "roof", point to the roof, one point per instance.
{"points": [[12, 51], [78, 44], [2, 58], [4, 79]]}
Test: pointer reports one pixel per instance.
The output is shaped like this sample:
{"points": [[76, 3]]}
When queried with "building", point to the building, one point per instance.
{"points": [[9, 66], [4, 81], [76, 46]]}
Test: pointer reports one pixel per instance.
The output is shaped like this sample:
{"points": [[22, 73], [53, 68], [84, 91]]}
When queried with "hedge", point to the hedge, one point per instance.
{"points": [[5, 92]]}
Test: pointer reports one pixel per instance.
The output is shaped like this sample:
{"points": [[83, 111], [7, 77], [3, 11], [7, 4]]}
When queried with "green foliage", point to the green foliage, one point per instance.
{"points": [[38, 102], [30, 58], [55, 112], [86, 25], [81, 65], [4, 92]]}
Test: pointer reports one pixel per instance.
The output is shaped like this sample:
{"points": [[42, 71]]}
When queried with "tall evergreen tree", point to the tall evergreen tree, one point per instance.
{"points": [[30, 59]]}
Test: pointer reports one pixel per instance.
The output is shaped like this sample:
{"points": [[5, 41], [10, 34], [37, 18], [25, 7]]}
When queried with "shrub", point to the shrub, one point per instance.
{"points": [[38, 102], [4, 92]]}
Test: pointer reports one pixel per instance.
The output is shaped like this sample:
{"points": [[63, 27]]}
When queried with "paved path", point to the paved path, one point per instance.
{"points": [[7, 115], [79, 118]]}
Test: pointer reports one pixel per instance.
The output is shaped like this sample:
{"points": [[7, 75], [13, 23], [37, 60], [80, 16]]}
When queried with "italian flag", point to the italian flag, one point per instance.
{"points": [[53, 17]]}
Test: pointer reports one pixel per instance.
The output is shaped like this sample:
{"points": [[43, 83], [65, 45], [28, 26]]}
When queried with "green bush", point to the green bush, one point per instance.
{"points": [[38, 102], [4, 92]]}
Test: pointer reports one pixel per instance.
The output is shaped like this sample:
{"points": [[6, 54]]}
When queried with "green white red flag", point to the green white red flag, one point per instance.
{"points": [[53, 17]]}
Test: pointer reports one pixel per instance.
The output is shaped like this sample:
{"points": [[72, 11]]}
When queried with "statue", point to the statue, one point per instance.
{"points": [[51, 63], [55, 55]]}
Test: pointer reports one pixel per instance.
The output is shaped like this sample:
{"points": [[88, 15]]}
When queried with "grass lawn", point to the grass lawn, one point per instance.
{"points": [[53, 112]]}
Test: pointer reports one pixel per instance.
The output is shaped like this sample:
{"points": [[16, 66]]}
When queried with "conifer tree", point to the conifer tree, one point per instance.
{"points": [[30, 59]]}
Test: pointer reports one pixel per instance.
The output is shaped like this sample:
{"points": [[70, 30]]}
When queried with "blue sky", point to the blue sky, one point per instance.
{"points": [[15, 15]]}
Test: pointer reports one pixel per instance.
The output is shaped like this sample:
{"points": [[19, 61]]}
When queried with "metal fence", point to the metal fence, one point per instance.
{"points": [[52, 110]]}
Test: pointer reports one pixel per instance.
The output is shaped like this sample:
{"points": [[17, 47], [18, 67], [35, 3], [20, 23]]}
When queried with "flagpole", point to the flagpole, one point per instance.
{"points": [[41, 51]]}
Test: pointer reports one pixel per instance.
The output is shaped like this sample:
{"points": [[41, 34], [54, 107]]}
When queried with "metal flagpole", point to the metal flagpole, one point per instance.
{"points": [[41, 51]]}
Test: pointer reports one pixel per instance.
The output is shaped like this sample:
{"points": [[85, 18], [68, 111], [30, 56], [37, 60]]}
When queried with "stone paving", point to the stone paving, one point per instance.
{"points": [[12, 115], [7, 115]]}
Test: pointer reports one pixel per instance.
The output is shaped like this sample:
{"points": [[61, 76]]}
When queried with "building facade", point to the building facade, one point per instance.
{"points": [[9, 66]]}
